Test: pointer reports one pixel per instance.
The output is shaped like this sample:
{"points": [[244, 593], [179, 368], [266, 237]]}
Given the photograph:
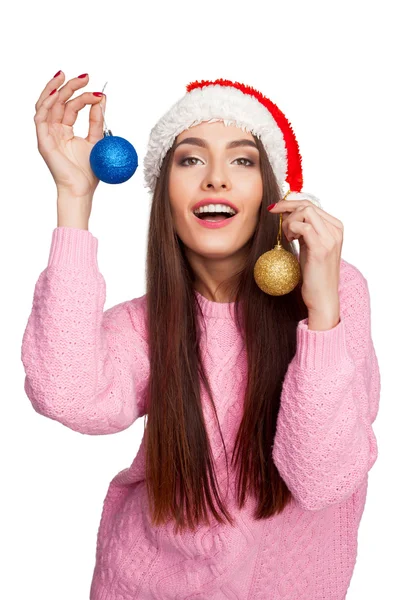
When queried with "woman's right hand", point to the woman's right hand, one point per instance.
{"points": [[66, 155]]}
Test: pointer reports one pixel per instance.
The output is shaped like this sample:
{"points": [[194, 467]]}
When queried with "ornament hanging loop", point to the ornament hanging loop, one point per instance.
{"points": [[279, 238], [106, 131]]}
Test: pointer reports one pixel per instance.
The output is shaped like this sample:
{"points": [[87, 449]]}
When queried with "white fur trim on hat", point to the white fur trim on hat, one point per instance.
{"points": [[304, 196], [215, 102]]}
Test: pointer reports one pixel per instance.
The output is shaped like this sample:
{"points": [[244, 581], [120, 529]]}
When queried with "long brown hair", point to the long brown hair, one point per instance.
{"points": [[180, 475]]}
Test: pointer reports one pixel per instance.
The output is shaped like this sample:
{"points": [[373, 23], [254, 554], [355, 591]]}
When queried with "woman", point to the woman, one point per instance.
{"points": [[251, 477]]}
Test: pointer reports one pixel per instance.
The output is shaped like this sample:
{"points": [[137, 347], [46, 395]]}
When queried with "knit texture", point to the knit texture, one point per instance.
{"points": [[88, 369]]}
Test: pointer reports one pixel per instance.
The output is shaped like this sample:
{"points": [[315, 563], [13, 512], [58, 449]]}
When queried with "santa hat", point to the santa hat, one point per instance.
{"points": [[235, 104]]}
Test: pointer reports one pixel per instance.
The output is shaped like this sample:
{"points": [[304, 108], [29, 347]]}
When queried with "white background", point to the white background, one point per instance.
{"points": [[332, 68]]}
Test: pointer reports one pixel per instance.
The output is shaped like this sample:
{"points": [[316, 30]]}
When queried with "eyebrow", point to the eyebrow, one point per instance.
{"points": [[194, 141]]}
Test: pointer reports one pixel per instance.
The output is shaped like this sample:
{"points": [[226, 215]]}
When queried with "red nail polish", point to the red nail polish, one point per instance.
{"points": [[97, 94], [271, 206], [82, 76], [57, 74], [53, 92]]}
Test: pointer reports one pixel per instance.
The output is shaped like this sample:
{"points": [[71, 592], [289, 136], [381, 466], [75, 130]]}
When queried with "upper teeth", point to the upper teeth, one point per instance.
{"points": [[215, 208]]}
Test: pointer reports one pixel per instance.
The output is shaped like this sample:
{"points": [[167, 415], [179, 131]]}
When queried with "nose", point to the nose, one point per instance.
{"points": [[216, 178]]}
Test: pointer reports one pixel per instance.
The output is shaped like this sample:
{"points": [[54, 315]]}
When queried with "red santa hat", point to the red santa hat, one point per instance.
{"points": [[235, 104]]}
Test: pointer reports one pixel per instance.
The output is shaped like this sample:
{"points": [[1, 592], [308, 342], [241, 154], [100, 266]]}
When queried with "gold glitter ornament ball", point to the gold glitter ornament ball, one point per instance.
{"points": [[277, 272]]}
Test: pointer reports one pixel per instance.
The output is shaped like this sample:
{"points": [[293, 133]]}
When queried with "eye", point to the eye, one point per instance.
{"points": [[248, 160], [188, 158]]}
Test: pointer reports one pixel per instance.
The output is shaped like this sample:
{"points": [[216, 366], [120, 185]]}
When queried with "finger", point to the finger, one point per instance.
{"points": [[55, 82], [307, 214], [96, 121], [73, 107], [65, 93], [307, 231], [41, 117], [312, 239], [291, 205]]}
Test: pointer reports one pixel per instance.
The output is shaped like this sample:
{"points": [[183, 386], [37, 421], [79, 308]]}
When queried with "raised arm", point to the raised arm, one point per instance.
{"points": [[325, 445], [85, 367]]}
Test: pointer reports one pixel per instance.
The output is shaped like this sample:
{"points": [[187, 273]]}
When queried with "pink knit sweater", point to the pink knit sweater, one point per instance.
{"points": [[87, 368]]}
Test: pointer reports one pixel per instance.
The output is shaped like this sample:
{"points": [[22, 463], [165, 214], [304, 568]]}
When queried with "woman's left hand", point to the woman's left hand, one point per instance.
{"points": [[320, 237]]}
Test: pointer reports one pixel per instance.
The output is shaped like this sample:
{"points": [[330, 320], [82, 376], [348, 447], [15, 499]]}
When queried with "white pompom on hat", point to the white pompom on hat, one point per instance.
{"points": [[235, 104]]}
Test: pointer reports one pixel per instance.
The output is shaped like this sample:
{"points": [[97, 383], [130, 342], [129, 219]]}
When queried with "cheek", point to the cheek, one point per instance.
{"points": [[258, 188], [182, 191], [175, 190], [179, 196], [251, 190], [178, 181]]}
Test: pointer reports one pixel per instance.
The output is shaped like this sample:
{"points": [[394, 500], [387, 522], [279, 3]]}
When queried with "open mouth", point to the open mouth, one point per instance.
{"points": [[213, 217], [215, 214]]}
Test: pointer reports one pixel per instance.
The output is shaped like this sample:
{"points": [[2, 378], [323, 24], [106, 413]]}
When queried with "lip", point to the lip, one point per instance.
{"points": [[215, 201], [211, 225]]}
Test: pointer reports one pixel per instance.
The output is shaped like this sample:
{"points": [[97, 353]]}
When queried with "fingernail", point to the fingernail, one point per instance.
{"points": [[53, 92], [271, 206], [97, 94], [57, 74], [82, 76]]}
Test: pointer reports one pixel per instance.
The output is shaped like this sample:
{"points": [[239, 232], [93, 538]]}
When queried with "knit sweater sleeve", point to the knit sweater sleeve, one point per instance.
{"points": [[85, 367], [324, 444]]}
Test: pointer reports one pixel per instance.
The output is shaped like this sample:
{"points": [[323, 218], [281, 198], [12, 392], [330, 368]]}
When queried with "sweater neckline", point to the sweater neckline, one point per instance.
{"points": [[223, 310]]}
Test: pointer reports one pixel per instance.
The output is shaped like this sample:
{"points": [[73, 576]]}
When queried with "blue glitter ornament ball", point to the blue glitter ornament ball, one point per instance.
{"points": [[113, 159]]}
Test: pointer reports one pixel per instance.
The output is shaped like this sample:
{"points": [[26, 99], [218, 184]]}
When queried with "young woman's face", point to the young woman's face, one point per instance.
{"points": [[210, 167]]}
